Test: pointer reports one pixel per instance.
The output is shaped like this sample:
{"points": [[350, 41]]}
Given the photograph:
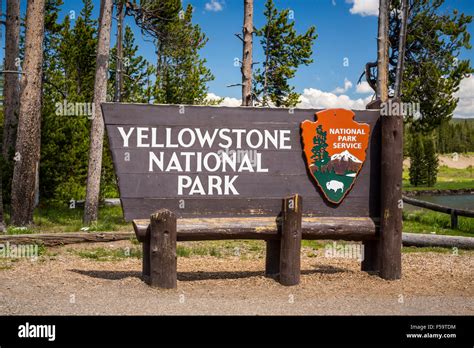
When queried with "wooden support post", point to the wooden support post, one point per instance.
{"points": [[370, 263], [272, 259], [454, 219], [146, 257], [163, 263], [391, 196], [291, 232]]}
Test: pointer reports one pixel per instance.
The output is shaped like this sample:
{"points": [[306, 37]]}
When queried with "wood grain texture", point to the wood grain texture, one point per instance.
{"points": [[57, 239], [291, 233], [432, 240], [163, 259], [390, 252], [265, 228]]}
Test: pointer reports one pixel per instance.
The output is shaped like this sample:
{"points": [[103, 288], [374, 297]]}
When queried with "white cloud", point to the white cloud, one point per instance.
{"points": [[311, 98], [315, 98], [214, 6], [465, 107], [365, 7], [340, 90], [364, 88], [228, 101]]}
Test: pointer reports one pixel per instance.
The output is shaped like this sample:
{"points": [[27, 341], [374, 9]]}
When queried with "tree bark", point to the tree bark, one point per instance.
{"points": [[97, 129], [391, 164], [163, 259], [119, 64], [2, 222], [291, 234], [247, 53], [27, 152], [401, 49], [265, 80], [382, 51], [11, 100]]}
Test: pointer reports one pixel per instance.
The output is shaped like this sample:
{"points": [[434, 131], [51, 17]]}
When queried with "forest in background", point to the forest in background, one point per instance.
{"points": [[70, 68]]}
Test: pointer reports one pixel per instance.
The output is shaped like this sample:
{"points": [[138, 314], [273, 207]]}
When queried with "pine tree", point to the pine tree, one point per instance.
{"points": [[320, 156], [136, 71], [430, 161], [284, 51], [432, 71], [181, 75], [69, 77], [417, 163]]}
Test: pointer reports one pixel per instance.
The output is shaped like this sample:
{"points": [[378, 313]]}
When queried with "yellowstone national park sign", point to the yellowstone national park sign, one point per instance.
{"points": [[219, 161], [335, 150]]}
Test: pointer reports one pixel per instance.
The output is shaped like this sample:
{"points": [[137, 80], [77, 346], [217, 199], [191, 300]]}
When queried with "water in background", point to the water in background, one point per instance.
{"points": [[453, 201]]}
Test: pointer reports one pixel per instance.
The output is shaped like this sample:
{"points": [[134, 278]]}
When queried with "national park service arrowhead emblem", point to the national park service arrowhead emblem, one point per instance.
{"points": [[335, 150]]}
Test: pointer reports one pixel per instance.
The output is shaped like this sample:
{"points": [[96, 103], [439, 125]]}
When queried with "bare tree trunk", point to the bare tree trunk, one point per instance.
{"points": [[265, 82], [401, 49], [119, 64], [391, 166], [11, 100], [28, 142], [2, 222], [97, 129], [247, 54], [382, 52]]}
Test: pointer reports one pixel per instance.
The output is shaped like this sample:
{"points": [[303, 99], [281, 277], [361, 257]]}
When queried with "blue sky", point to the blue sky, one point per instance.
{"points": [[345, 28]]}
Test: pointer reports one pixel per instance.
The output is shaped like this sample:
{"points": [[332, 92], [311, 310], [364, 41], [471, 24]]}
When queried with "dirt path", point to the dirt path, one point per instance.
{"points": [[454, 160], [433, 283]]}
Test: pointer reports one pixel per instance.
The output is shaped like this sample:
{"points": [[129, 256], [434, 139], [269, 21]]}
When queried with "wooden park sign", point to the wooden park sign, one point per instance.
{"points": [[200, 173]]}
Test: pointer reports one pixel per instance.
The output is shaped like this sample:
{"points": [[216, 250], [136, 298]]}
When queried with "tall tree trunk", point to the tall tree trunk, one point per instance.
{"points": [[391, 165], [265, 80], [119, 64], [382, 51], [27, 151], [247, 53], [2, 222], [11, 100], [401, 49], [97, 129]]}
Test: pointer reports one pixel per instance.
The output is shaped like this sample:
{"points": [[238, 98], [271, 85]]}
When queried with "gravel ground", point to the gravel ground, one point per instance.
{"points": [[63, 283]]}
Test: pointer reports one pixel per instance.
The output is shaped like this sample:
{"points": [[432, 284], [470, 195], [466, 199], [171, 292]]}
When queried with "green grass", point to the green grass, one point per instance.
{"points": [[431, 250], [109, 254], [203, 249], [448, 179], [423, 221], [50, 218], [219, 249], [223, 248]]}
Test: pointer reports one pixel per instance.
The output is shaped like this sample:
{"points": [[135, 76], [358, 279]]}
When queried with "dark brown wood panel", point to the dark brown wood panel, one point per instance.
{"points": [[144, 192], [140, 208]]}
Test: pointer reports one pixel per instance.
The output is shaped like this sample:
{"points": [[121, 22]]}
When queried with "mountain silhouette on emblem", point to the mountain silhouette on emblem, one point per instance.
{"points": [[345, 156], [343, 163]]}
